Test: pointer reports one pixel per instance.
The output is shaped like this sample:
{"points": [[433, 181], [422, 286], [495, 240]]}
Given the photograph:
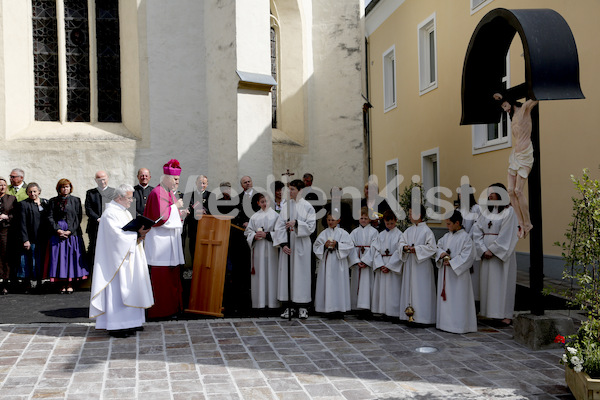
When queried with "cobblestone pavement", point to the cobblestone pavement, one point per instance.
{"points": [[271, 358]]}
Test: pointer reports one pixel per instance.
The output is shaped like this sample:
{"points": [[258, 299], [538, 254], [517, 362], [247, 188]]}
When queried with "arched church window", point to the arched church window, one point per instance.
{"points": [[274, 74], [76, 55]]}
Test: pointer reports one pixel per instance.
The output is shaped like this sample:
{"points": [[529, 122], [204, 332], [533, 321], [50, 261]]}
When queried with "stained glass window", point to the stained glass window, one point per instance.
{"points": [[274, 74], [45, 60], [77, 60], [109, 72]]}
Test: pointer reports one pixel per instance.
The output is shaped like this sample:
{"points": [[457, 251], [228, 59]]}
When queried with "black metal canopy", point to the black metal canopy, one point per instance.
{"points": [[551, 61]]}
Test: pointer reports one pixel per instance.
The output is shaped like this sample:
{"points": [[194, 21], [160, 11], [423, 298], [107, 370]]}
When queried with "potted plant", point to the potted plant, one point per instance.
{"points": [[581, 252], [406, 200]]}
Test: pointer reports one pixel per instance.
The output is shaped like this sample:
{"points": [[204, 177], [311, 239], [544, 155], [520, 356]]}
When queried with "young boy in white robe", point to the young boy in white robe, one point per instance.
{"points": [[386, 270], [264, 261], [495, 236], [454, 258], [332, 247], [470, 212], [417, 247], [300, 224], [361, 261]]}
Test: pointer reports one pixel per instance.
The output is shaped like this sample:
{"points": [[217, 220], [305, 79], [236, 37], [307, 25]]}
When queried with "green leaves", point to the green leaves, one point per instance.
{"points": [[581, 253]]}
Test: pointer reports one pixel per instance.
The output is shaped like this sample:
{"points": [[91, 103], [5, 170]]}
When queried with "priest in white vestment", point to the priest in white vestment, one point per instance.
{"points": [[387, 267], [361, 261], [121, 288], [455, 302], [264, 258], [332, 247], [417, 248], [495, 236], [300, 223]]}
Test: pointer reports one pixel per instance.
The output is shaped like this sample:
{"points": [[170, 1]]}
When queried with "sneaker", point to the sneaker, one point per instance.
{"points": [[286, 313], [303, 313]]}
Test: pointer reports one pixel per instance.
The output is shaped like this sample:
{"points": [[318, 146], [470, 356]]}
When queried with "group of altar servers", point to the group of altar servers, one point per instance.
{"points": [[389, 273]]}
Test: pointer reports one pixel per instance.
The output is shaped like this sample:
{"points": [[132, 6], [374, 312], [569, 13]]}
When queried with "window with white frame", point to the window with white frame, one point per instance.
{"points": [[430, 171], [476, 5], [489, 137], [391, 178], [427, 55], [389, 79]]}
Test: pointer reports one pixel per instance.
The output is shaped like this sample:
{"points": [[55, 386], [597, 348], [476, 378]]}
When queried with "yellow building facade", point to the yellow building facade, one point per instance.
{"points": [[416, 50]]}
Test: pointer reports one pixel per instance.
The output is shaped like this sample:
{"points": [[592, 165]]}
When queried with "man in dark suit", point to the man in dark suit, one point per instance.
{"points": [[237, 300], [142, 190], [95, 199], [198, 206]]}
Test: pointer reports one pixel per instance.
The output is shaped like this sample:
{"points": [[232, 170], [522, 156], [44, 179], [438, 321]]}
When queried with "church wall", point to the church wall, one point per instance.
{"points": [[177, 89], [294, 55], [15, 36], [422, 122], [49, 151], [255, 152], [220, 98], [335, 103], [332, 149], [180, 97]]}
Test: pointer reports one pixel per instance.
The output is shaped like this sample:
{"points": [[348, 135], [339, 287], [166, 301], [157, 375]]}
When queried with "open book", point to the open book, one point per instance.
{"points": [[135, 224]]}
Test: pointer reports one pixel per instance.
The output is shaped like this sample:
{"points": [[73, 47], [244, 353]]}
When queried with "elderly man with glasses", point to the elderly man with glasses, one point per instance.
{"points": [[121, 288], [17, 187]]}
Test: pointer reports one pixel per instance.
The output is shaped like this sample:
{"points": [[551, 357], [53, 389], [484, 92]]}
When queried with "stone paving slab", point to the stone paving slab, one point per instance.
{"points": [[270, 358]]}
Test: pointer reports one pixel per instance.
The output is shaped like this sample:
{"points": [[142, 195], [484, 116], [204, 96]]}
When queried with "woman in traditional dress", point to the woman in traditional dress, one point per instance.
{"points": [[7, 207], [33, 236], [67, 252]]}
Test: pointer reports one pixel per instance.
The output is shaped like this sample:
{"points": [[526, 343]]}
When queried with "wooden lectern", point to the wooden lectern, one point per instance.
{"points": [[210, 263]]}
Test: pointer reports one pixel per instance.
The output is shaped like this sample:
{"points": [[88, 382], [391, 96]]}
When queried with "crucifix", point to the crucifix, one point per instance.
{"points": [[551, 73], [287, 174]]}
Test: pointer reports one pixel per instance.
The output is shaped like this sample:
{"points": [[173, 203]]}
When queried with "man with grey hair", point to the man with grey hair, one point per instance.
{"points": [[17, 187], [164, 249], [121, 287]]}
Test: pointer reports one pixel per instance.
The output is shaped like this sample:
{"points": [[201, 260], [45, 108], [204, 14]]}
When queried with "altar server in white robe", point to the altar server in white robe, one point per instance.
{"points": [[386, 269], [495, 237], [264, 262], [301, 223], [332, 247], [417, 247], [361, 261], [454, 258], [470, 212], [121, 288]]}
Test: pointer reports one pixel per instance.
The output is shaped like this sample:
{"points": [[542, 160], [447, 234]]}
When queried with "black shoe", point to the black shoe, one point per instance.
{"points": [[120, 333]]}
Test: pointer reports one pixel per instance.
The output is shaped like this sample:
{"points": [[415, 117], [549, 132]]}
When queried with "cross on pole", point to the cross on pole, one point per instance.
{"points": [[289, 239]]}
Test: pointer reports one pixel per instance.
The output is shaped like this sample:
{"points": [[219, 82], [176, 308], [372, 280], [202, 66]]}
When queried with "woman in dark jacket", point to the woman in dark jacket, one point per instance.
{"points": [[33, 235], [8, 203], [67, 253]]}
